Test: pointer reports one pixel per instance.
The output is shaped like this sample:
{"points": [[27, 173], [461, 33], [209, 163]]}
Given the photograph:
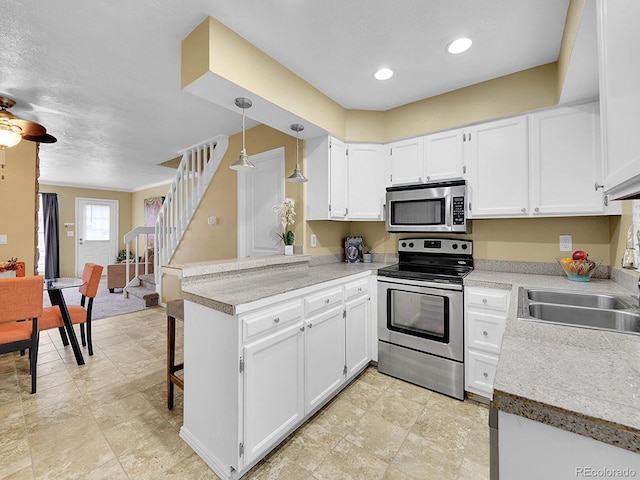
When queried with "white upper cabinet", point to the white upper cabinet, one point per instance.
{"points": [[405, 159], [566, 161], [619, 66], [444, 155], [337, 179], [345, 180], [498, 168], [365, 194]]}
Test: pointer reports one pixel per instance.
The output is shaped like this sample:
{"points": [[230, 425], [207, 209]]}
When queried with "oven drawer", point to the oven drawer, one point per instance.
{"points": [[326, 299], [484, 331], [492, 299], [481, 370]]}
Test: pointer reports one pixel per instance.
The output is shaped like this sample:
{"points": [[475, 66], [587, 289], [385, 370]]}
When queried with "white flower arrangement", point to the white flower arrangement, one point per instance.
{"points": [[286, 212]]}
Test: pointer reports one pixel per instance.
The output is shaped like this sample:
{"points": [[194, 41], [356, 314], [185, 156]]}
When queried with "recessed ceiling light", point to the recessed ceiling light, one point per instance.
{"points": [[383, 74], [460, 45]]}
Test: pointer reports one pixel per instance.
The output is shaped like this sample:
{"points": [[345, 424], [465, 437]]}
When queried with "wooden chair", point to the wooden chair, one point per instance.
{"points": [[79, 314], [21, 300], [175, 310]]}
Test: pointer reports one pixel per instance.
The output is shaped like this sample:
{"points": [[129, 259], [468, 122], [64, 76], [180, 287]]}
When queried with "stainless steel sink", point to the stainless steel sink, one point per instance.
{"points": [[618, 313], [578, 299], [617, 320]]}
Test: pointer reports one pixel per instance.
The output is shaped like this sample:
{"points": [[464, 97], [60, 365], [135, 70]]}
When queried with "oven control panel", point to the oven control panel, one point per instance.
{"points": [[435, 245]]}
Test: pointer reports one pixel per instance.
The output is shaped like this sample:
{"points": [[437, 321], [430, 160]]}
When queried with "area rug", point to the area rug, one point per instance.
{"points": [[105, 304]]}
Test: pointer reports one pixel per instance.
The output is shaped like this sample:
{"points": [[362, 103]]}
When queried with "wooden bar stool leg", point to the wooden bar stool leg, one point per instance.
{"points": [[171, 358]]}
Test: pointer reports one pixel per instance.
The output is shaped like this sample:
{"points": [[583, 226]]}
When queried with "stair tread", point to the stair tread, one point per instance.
{"points": [[150, 296]]}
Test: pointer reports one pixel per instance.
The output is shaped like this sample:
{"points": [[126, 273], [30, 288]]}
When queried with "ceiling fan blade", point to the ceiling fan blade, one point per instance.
{"points": [[29, 128], [44, 138]]}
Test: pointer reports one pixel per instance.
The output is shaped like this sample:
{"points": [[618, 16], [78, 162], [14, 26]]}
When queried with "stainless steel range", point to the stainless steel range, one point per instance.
{"points": [[420, 313]]}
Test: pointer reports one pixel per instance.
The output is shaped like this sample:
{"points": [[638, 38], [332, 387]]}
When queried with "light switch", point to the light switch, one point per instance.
{"points": [[70, 233], [314, 240], [3, 239]]}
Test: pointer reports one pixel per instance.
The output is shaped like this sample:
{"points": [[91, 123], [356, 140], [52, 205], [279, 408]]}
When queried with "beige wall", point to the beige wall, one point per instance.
{"points": [[205, 242], [67, 211], [18, 205], [137, 202]]}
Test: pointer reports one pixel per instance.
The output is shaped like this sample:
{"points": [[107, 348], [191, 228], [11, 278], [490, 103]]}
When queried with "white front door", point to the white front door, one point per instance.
{"points": [[97, 232], [258, 192]]}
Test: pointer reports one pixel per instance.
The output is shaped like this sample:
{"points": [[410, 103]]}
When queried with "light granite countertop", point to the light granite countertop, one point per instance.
{"points": [[237, 290], [582, 380]]}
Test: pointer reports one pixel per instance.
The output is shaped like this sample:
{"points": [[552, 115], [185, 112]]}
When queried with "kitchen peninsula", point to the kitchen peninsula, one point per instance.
{"points": [[268, 342]]}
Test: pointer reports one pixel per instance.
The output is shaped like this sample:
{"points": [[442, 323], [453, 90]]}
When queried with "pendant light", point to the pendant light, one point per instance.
{"points": [[296, 176], [243, 162]]}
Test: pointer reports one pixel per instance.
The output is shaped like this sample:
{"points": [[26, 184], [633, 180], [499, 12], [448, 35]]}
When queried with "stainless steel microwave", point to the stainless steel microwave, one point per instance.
{"points": [[438, 207]]}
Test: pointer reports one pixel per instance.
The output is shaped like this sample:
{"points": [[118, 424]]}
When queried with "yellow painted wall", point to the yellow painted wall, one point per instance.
{"points": [[18, 205], [137, 202], [67, 211], [515, 239], [205, 242]]}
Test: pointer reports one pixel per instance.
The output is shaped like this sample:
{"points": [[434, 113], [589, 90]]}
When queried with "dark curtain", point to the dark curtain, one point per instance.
{"points": [[51, 235]]}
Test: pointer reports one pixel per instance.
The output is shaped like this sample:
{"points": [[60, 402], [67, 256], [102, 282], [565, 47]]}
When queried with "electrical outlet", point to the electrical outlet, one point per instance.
{"points": [[3, 239], [566, 243], [314, 240]]}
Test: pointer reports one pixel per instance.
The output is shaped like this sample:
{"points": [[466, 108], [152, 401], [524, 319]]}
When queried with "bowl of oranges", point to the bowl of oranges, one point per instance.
{"points": [[579, 267]]}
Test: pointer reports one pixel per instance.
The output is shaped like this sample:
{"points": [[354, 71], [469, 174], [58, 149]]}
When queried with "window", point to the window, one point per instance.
{"points": [[97, 221]]}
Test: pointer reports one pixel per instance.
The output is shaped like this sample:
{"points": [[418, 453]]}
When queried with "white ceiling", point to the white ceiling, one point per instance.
{"points": [[104, 77]]}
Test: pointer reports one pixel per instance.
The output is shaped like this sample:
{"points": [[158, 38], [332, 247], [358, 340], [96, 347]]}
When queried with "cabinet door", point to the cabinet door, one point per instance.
{"points": [[365, 194], [499, 166], [618, 36], [324, 356], [357, 335], [566, 161], [338, 179], [444, 155], [406, 161], [273, 389]]}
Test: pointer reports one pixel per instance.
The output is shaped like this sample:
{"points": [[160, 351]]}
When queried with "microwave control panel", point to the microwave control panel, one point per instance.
{"points": [[458, 210]]}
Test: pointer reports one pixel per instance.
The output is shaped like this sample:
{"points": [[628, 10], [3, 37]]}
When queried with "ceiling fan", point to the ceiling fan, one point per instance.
{"points": [[12, 126]]}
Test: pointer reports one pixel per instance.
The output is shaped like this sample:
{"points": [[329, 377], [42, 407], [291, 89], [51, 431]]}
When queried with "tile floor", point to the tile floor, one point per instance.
{"points": [[108, 420]]}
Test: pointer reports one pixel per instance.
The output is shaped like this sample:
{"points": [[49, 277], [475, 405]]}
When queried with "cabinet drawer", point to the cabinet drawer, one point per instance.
{"points": [[356, 289], [268, 320], [492, 299], [481, 370], [484, 331], [328, 298]]}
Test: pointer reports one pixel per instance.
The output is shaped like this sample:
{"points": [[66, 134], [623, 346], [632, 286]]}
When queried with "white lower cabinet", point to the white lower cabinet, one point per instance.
{"points": [[324, 355], [253, 378], [274, 390], [358, 329], [485, 319]]}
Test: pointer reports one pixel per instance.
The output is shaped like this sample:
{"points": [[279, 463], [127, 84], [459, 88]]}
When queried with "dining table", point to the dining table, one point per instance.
{"points": [[54, 287]]}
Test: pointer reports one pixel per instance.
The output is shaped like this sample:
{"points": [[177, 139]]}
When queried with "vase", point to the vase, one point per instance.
{"points": [[366, 257], [288, 249]]}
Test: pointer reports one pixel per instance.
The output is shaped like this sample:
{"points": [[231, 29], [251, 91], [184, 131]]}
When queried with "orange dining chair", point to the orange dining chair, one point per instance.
{"points": [[79, 314], [21, 300]]}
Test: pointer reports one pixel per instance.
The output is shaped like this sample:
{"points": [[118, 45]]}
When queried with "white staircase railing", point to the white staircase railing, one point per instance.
{"points": [[195, 172], [141, 262]]}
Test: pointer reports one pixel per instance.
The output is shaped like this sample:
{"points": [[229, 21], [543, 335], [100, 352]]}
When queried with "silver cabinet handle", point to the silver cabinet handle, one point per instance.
{"points": [[484, 300], [524, 210], [327, 301], [359, 289], [485, 333], [597, 186], [276, 320], [485, 375], [310, 325], [537, 209], [420, 179], [302, 329]]}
